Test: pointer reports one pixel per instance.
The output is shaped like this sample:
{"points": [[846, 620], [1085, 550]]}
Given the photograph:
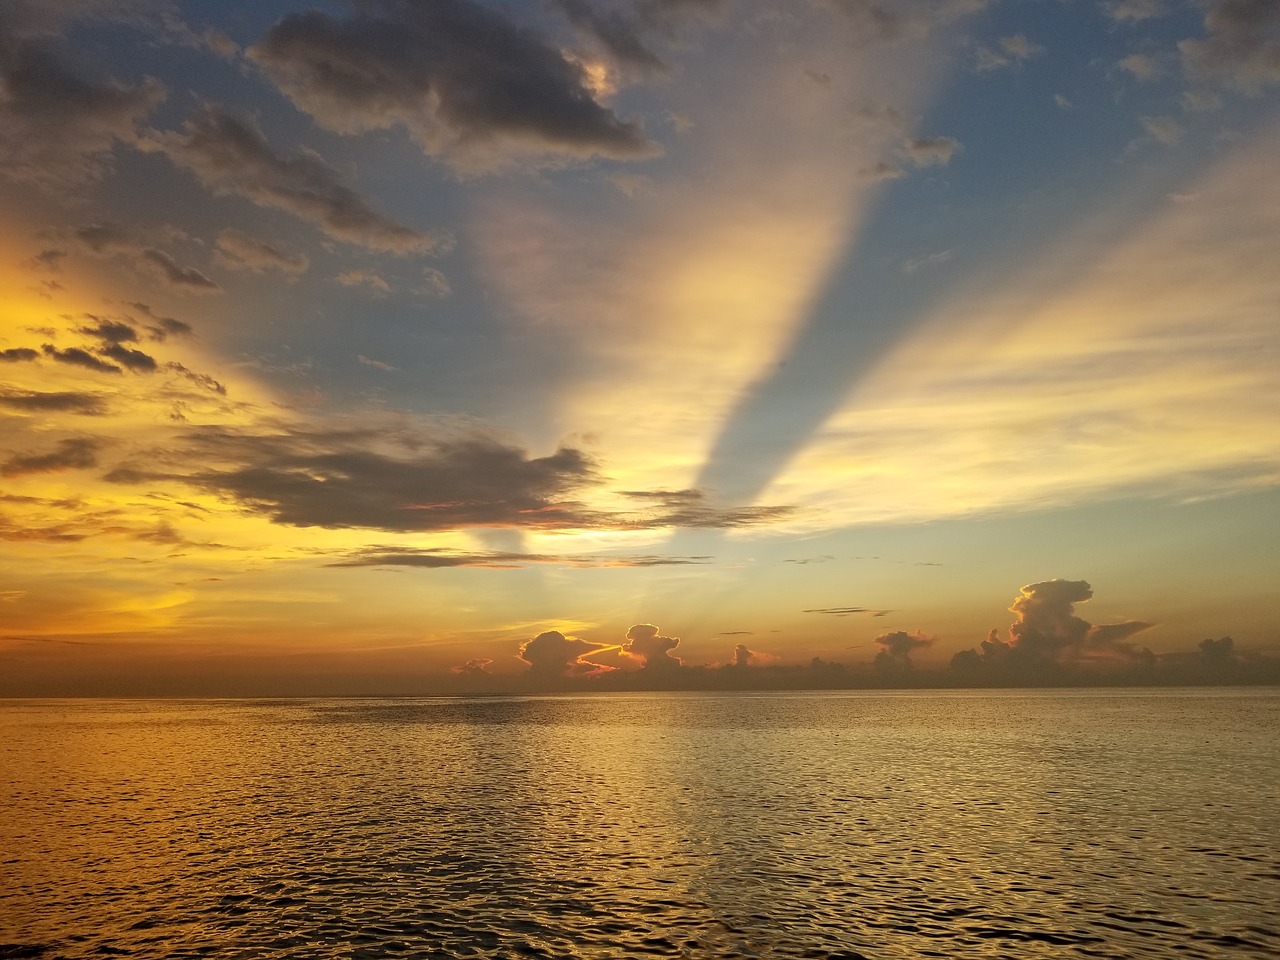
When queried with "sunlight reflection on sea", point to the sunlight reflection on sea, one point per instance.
{"points": [[1118, 824]]}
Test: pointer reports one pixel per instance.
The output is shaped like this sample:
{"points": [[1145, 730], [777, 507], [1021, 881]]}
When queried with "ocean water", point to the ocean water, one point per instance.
{"points": [[1124, 824]]}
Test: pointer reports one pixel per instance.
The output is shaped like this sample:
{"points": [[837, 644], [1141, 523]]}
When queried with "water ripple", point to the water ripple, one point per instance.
{"points": [[820, 827]]}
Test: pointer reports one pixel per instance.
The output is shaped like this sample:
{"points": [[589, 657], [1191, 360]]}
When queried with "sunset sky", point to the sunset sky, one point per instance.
{"points": [[350, 347]]}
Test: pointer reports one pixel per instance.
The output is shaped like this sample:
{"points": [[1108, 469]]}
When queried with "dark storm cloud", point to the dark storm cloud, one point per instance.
{"points": [[614, 33], [691, 508], [896, 648], [112, 240], [552, 655], [19, 355], [76, 357], [652, 650], [1242, 46], [231, 157], [462, 79], [239, 251], [73, 454], [87, 404], [440, 558], [58, 128], [347, 479]]}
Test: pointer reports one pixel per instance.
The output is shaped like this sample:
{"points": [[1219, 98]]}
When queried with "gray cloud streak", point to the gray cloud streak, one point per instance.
{"points": [[231, 157]]}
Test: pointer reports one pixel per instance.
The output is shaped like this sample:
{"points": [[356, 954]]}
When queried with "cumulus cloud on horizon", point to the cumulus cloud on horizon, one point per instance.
{"points": [[1046, 633]]}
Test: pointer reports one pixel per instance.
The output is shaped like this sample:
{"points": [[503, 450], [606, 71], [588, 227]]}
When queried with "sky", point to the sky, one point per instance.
{"points": [[410, 347]]}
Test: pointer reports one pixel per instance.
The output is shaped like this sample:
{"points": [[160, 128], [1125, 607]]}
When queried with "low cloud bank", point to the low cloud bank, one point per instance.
{"points": [[1048, 645]]}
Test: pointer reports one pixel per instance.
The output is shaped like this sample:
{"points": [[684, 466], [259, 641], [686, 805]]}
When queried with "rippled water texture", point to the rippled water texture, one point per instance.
{"points": [[1050, 824]]}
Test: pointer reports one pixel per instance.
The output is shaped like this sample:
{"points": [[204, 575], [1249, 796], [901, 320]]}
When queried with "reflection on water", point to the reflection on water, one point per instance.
{"points": [[1059, 824]]}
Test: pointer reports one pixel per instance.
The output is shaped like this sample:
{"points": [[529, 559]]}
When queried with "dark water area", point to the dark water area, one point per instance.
{"points": [[1100, 823]]}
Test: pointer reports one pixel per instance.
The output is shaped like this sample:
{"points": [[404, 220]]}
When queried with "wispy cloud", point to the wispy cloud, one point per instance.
{"points": [[231, 156]]}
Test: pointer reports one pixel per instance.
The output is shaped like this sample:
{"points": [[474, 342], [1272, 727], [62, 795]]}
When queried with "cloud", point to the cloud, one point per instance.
{"points": [[374, 479], [73, 454], [1047, 635], [111, 240], [135, 360], [231, 157], [650, 649], [110, 331], [76, 357], [18, 355], [365, 278], [910, 152], [932, 151], [1010, 52], [163, 327], [692, 508], [1218, 652], [469, 85], [1242, 47], [436, 558], [1141, 66], [878, 21], [1164, 129], [1134, 11], [58, 128], [376, 364], [612, 32], [896, 648], [846, 611], [112, 336], [552, 655], [911, 266], [475, 667], [86, 404], [239, 251]]}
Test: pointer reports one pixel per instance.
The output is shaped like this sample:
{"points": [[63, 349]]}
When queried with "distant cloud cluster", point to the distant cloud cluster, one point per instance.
{"points": [[552, 656], [896, 648], [1047, 634], [652, 651]]}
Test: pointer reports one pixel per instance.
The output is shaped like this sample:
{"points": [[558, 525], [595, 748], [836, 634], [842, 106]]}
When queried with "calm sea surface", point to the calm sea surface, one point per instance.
{"points": [[1017, 824]]}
